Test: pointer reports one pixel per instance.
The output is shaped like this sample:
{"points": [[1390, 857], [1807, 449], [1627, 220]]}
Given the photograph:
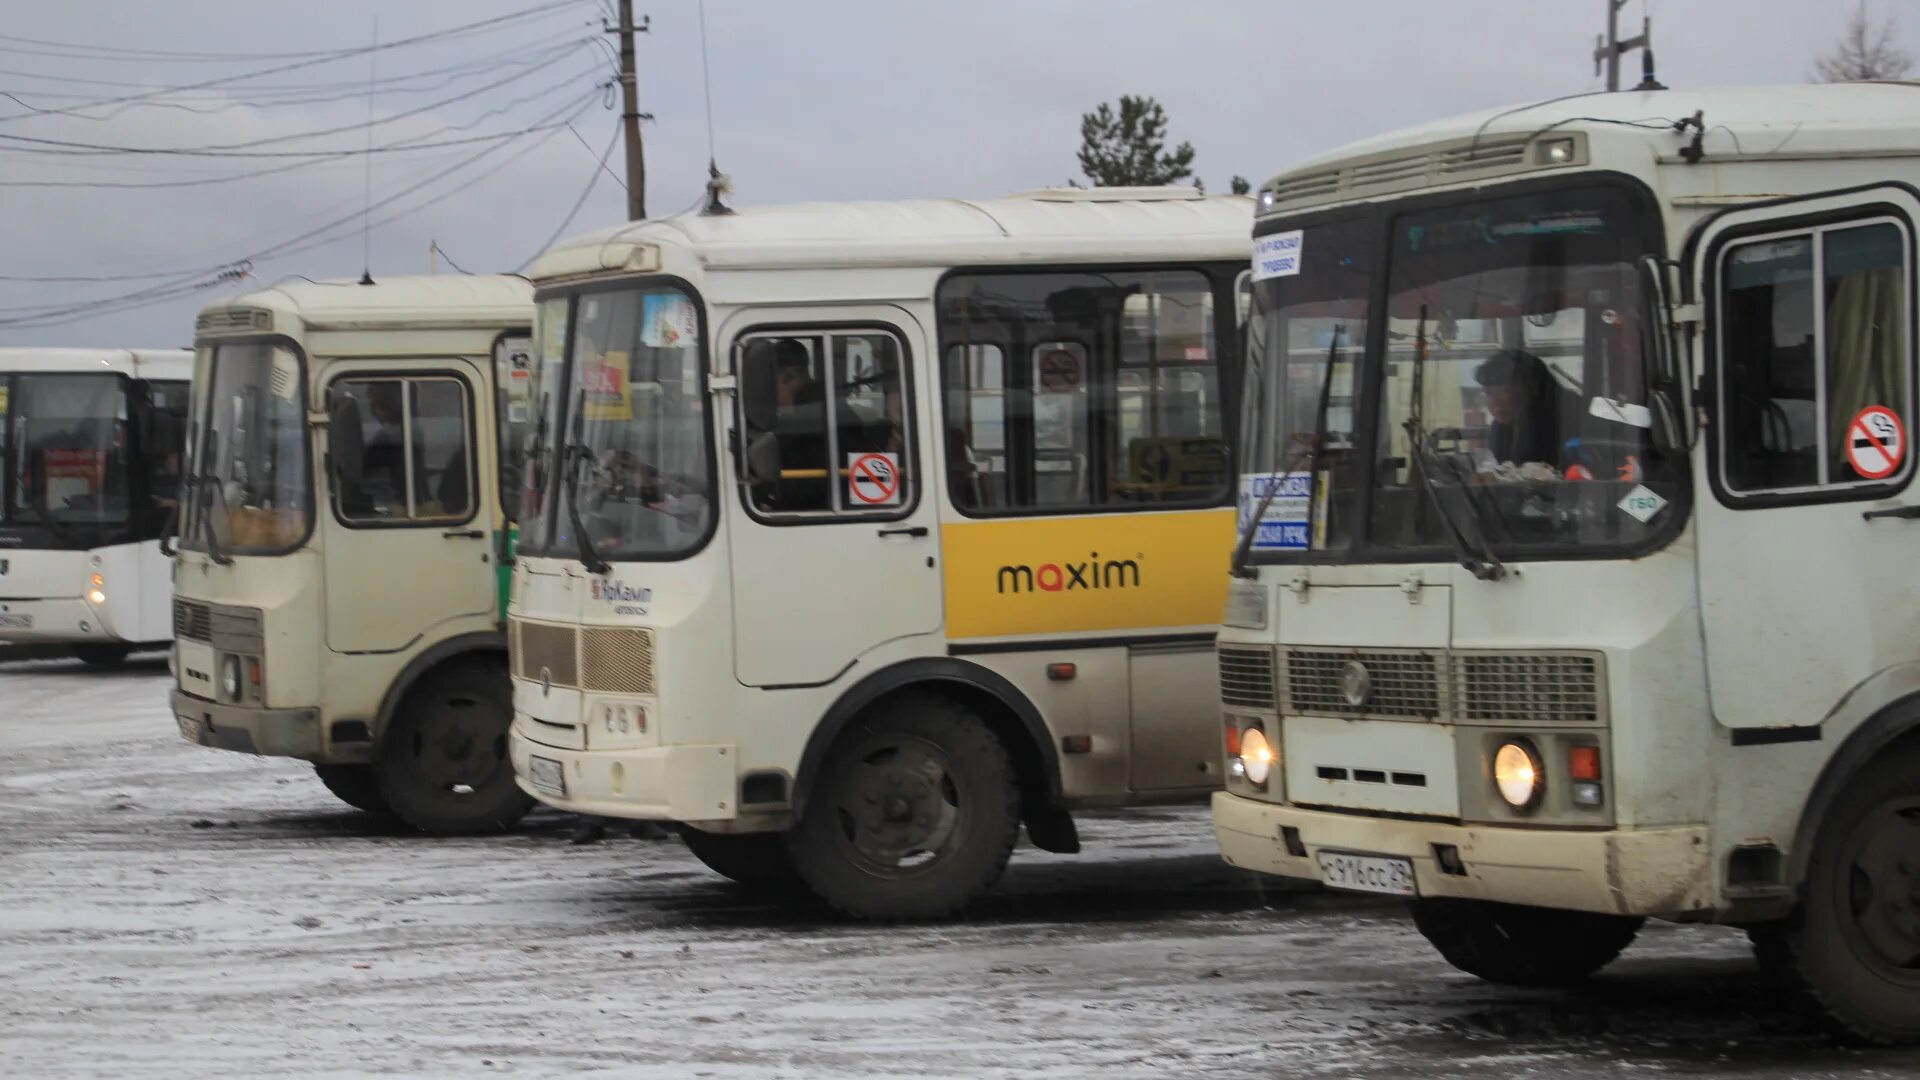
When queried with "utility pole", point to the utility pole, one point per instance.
{"points": [[630, 117], [1608, 50]]}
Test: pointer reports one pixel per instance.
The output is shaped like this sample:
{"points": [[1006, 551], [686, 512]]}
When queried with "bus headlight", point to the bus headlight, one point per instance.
{"points": [[97, 589], [1257, 756], [1250, 757], [230, 678], [1518, 775]]}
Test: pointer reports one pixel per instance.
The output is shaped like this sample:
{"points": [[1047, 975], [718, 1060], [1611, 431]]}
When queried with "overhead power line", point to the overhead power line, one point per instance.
{"points": [[436, 35]]}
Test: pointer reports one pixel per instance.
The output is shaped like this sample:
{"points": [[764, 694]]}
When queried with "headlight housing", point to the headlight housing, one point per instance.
{"points": [[230, 685], [1251, 757], [1518, 774]]}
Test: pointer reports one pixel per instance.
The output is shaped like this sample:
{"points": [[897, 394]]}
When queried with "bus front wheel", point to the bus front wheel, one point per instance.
{"points": [[443, 765], [1522, 946], [1856, 946], [914, 815]]}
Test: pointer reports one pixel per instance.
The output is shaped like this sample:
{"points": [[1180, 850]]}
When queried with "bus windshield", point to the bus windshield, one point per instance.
{"points": [[1502, 393], [625, 451], [249, 485], [63, 443]]}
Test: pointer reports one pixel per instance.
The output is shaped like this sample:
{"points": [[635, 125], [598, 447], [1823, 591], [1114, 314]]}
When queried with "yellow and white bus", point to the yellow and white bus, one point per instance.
{"points": [[90, 444], [868, 531], [1577, 585], [338, 589]]}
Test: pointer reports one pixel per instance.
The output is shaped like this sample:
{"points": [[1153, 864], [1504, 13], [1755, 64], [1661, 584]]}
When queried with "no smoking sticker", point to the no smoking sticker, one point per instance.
{"points": [[1876, 442], [1059, 371], [873, 479]]}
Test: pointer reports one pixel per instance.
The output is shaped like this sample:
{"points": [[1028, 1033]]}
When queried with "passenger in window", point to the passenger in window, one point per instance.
{"points": [[800, 422], [383, 466], [1527, 407]]}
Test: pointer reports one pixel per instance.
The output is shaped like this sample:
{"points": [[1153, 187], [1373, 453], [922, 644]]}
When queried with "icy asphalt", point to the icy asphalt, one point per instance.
{"points": [[172, 911]]}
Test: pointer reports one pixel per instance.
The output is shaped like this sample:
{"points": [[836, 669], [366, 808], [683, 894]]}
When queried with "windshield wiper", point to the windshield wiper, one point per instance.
{"points": [[1244, 548], [1470, 544], [570, 490], [204, 521]]}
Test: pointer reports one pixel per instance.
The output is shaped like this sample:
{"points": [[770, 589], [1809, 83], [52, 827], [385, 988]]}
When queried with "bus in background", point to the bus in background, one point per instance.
{"points": [[869, 531], [90, 460], [340, 573], [1576, 582]]}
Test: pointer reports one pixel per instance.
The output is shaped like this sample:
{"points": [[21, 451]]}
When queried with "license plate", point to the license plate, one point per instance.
{"points": [[1367, 873], [189, 728], [16, 622], [547, 775]]}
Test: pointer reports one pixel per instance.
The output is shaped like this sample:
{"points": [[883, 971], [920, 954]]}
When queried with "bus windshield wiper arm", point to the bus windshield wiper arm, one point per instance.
{"points": [[1473, 552], [570, 490], [214, 550], [1244, 548]]}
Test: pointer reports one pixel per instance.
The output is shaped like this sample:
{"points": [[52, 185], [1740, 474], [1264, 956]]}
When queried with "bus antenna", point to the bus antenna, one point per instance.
{"points": [[719, 184], [366, 211]]}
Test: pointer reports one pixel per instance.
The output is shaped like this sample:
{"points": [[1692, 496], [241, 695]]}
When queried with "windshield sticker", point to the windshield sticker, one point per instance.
{"points": [[3, 401], [604, 382], [668, 321], [1283, 525], [1641, 504], [1277, 255]]}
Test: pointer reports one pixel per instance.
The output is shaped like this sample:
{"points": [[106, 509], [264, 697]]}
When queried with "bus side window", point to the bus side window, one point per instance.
{"points": [[401, 450], [1813, 332], [1114, 400]]}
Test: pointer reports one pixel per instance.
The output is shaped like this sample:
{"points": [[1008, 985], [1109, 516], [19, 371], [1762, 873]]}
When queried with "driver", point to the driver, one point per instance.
{"points": [[1525, 404]]}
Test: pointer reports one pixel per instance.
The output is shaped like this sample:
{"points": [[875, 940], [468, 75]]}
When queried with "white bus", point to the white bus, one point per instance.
{"points": [[867, 532], [1578, 582], [90, 443], [339, 586]]}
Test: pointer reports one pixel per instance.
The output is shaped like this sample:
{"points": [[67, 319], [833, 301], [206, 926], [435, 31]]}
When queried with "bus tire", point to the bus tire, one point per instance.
{"points": [[758, 861], [914, 815], [1516, 945], [1856, 946], [443, 765], [354, 785], [97, 655]]}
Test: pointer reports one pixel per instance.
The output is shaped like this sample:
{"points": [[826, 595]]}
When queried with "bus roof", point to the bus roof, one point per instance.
{"points": [[424, 301], [1063, 225], [1741, 123], [137, 363]]}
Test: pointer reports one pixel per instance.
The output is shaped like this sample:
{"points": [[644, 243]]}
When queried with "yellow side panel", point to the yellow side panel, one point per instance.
{"points": [[1049, 575]]}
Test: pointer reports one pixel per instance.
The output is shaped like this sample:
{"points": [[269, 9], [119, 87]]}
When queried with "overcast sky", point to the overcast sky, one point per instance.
{"points": [[833, 99]]}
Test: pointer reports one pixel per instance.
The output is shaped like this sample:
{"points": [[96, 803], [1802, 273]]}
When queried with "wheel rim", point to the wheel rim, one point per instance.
{"points": [[1878, 891], [898, 807], [455, 749]]}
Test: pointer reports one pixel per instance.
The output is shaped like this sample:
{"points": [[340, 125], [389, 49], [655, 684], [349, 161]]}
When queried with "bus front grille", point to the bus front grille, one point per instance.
{"points": [[545, 653], [1459, 686], [1404, 684], [617, 660], [1246, 677], [192, 621], [1528, 688]]}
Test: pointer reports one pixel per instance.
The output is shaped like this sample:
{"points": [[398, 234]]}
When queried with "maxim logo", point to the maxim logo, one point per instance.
{"points": [[1067, 577]]}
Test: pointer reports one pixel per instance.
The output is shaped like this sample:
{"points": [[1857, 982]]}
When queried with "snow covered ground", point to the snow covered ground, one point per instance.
{"points": [[172, 911]]}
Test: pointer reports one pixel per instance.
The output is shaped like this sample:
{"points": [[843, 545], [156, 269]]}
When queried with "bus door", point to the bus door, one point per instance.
{"points": [[833, 536], [1808, 519], [407, 535]]}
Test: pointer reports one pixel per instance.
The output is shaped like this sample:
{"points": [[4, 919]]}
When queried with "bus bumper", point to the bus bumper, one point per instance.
{"points": [[49, 622], [292, 733], [662, 783], [1656, 871]]}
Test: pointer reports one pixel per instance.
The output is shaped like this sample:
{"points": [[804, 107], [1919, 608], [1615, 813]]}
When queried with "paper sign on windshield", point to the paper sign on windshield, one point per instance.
{"points": [[1283, 525], [1276, 255]]}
